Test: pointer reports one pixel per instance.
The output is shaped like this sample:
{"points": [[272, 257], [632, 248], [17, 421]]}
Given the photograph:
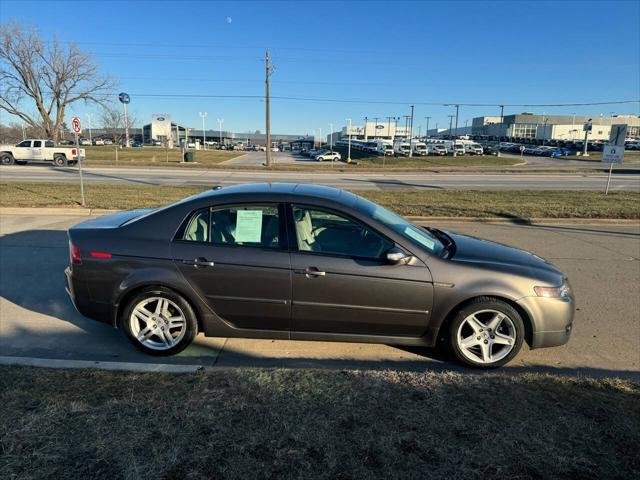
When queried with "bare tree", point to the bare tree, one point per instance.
{"points": [[112, 120], [49, 76]]}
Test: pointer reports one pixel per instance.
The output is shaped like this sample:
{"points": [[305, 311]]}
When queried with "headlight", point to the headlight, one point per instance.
{"points": [[563, 291]]}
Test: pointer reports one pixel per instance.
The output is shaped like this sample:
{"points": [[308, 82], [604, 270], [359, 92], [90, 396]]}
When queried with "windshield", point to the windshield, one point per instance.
{"points": [[418, 236]]}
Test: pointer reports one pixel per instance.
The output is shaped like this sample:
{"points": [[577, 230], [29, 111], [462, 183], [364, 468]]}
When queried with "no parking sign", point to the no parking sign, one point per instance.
{"points": [[76, 125]]}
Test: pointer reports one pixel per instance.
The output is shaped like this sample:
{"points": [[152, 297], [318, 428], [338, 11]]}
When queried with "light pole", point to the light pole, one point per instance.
{"points": [[331, 137], [453, 146], [587, 129], [349, 148], [375, 129], [320, 137], [365, 128], [427, 132], [89, 125], [220, 122], [204, 135]]}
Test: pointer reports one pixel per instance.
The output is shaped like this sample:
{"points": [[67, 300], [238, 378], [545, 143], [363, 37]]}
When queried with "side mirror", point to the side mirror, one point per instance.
{"points": [[396, 256]]}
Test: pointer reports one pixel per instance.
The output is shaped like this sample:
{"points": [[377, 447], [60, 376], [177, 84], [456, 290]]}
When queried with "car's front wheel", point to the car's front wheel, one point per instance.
{"points": [[486, 333], [160, 322], [7, 159]]}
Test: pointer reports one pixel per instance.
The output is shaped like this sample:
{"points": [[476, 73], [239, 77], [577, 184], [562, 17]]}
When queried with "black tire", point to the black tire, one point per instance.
{"points": [[191, 322], [7, 159], [21, 162], [483, 304], [60, 160]]}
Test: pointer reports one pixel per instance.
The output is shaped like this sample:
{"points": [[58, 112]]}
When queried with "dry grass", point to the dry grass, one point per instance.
{"points": [[71, 424], [463, 203], [153, 156]]}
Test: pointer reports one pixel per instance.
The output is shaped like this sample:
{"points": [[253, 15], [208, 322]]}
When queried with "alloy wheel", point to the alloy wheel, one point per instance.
{"points": [[486, 336], [157, 323]]}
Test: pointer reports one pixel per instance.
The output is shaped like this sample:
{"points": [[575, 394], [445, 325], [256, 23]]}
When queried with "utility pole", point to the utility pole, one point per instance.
{"points": [[220, 122], [411, 134], [427, 132], [89, 118], [453, 147], [204, 135], [349, 149], [331, 132], [501, 114], [269, 71], [456, 130]]}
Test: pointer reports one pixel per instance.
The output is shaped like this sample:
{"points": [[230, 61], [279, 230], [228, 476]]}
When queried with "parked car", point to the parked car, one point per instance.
{"points": [[98, 141], [108, 141], [328, 156], [39, 150], [137, 144], [345, 269], [85, 141]]}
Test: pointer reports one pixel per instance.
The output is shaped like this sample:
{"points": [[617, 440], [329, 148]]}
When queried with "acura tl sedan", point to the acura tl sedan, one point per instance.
{"points": [[308, 262]]}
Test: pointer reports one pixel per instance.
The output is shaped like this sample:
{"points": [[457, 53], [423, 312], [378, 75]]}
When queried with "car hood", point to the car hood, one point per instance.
{"points": [[475, 250]]}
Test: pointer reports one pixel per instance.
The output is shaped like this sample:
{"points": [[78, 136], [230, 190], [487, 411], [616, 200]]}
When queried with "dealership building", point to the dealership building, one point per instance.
{"points": [[164, 130], [553, 127], [370, 131]]}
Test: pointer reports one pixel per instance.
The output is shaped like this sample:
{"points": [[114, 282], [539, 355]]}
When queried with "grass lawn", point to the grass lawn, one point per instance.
{"points": [[462, 203], [258, 423], [153, 156]]}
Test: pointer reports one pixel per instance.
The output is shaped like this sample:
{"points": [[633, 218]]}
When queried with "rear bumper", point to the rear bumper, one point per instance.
{"points": [[551, 318], [80, 298]]}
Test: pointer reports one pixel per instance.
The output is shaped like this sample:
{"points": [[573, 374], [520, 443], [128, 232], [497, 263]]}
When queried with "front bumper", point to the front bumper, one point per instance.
{"points": [[551, 319]]}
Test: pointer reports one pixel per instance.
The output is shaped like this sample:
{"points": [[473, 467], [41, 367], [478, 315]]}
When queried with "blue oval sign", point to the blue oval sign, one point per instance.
{"points": [[124, 97], [379, 127], [160, 119]]}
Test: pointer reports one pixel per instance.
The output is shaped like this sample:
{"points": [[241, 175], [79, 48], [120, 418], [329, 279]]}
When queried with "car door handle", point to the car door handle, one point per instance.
{"points": [[199, 262], [313, 271]]}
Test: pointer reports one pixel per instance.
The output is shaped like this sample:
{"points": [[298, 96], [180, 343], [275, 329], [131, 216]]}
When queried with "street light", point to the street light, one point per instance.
{"points": [[349, 148], [331, 137], [427, 132], [220, 122], [204, 135]]}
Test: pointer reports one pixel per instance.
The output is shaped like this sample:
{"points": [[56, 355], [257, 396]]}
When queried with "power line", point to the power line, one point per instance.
{"points": [[381, 102]]}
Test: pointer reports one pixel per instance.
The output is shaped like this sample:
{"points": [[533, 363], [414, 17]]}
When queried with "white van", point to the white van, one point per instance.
{"points": [[419, 148], [436, 149], [401, 149]]}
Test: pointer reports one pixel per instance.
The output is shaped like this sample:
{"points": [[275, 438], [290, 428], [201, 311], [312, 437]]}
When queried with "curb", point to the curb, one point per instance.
{"points": [[87, 212], [124, 366]]}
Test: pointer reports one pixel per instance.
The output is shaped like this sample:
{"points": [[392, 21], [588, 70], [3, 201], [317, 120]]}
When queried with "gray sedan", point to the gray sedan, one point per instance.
{"points": [[307, 262]]}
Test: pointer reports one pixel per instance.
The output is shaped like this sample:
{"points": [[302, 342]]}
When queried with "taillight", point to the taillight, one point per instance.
{"points": [[74, 151], [100, 255], [75, 254]]}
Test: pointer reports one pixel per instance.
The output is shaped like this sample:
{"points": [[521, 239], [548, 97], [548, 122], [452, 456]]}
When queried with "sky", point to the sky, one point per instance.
{"points": [[376, 58]]}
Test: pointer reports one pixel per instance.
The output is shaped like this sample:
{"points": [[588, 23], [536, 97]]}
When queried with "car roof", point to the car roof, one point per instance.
{"points": [[302, 190]]}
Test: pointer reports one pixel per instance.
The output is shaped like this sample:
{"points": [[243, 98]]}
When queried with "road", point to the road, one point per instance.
{"points": [[340, 179], [38, 320]]}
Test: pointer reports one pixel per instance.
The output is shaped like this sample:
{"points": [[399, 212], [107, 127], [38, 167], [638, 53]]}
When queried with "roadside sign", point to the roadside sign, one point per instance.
{"points": [[76, 125], [587, 127], [618, 134], [124, 98], [613, 153]]}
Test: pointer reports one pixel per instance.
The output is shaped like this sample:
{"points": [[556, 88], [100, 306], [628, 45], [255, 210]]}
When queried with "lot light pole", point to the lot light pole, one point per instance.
{"points": [[587, 129], [366, 119], [331, 137], [375, 129], [220, 122], [320, 137], [204, 135], [349, 148], [427, 131]]}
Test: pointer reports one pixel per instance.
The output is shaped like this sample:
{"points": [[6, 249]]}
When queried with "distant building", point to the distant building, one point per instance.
{"points": [[383, 129], [552, 127]]}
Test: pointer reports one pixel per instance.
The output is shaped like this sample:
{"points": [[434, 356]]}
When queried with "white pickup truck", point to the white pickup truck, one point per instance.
{"points": [[39, 151]]}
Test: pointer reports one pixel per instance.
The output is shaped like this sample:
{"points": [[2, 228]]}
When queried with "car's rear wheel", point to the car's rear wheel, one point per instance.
{"points": [[7, 159], [60, 160], [160, 322], [486, 333]]}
